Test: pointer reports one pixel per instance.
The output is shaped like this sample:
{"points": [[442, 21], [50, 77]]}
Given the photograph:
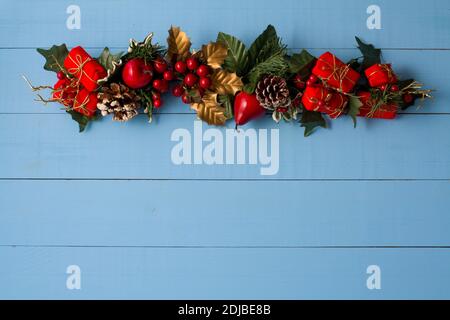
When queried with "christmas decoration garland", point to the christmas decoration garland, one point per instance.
{"points": [[225, 79]]}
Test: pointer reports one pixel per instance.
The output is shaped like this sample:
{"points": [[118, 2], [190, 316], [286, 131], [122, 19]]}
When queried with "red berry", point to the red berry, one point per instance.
{"points": [[383, 87], [202, 71], [157, 103], [313, 78], [321, 103], [158, 84], [165, 86], [180, 67], [168, 75], [408, 98], [192, 63], [156, 95], [310, 83], [298, 82], [190, 79], [186, 99], [60, 75], [178, 91], [205, 83], [395, 88], [160, 65]]}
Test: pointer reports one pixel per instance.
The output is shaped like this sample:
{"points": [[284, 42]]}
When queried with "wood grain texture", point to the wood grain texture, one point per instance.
{"points": [[307, 23], [149, 273], [111, 200], [225, 213]]}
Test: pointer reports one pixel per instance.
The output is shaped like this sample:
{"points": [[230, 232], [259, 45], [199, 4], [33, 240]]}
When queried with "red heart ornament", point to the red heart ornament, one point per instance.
{"points": [[246, 108]]}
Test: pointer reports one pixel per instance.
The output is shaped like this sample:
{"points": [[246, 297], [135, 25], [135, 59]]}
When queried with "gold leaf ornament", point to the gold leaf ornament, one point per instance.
{"points": [[209, 110], [226, 83], [214, 54], [179, 45]]}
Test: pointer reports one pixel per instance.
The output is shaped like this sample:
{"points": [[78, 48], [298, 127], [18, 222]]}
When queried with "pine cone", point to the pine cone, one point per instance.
{"points": [[120, 100], [272, 93]]}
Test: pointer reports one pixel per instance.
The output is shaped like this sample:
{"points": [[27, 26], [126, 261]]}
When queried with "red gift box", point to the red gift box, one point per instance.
{"points": [[386, 111], [86, 69], [85, 102], [335, 73], [318, 98], [65, 91], [380, 75]]}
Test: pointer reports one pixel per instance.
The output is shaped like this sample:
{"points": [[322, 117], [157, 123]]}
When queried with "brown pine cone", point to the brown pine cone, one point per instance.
{"points": [[272, 92], [119, 100]]}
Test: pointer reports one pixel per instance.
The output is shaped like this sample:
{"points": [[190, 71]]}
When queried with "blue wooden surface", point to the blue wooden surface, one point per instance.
{"points": [[111, 200]]}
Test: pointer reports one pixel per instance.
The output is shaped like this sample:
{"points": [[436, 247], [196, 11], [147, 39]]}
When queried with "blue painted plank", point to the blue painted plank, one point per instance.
{"points": [[146, 273], [312, 24], [48, 146], [225, 213], [430, 67]]}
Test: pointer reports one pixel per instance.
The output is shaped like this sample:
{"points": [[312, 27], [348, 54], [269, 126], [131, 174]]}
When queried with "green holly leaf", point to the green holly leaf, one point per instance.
{"points": [[370, 53], [237, 59], [81, 119], [54, 57], [301, 62], [354, 105], [264, 46], [311, 120], [106, 59]]}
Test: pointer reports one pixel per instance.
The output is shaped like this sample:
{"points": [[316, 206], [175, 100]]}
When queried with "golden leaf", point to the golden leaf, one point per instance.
{"points": [[214, 53], [179, 45], [226, 83], [209, 110]]}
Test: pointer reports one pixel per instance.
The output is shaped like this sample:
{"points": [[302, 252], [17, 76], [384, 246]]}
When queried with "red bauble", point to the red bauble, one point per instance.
{"points": [[246, 108], [186, 99], [205, 83], [157, 103], [137, 73], [190, 79], [180, 67], [192, 63], [160, 65], [202, 71], [177, 91], [168, 75]]}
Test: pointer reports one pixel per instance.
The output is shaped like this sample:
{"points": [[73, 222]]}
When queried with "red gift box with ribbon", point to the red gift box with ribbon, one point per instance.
{"points": [[380, 75], [335, 73], [64, 91], [83, 67], [85, 102], [318, 98], [368, 110]]}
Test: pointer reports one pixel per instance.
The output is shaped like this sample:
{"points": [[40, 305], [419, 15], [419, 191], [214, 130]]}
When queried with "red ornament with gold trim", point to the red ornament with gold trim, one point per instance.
{"points": [[318, 98], [85, 102], [83, 67], [335, 73], [380, 75]]}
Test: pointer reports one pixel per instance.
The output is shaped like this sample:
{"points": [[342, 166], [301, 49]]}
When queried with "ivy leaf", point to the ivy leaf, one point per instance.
{"points": [[81, 119], [354, 105], [254, 52], [106, 59], [237, 58], [301, 62], [370, 53], [311, 120], [54, 57]]}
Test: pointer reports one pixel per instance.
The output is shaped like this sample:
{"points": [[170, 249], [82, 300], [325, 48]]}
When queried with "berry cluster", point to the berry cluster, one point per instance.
{"points": [[194, 76]]}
